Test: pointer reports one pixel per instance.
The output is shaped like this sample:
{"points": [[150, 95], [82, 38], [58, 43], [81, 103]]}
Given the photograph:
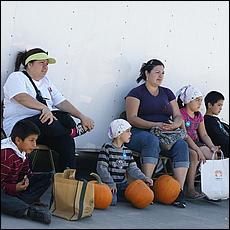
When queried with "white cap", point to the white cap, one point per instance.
{"points": [[188, 93], [117, 127]]}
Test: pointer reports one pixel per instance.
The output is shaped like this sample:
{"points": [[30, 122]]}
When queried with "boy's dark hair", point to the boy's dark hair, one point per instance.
{"points": [[23, 129], [148, 66], [213, 97], [22, 56]]}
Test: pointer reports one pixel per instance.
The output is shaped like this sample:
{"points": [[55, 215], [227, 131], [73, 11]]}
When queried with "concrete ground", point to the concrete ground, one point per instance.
{"points": [[200, 214]]}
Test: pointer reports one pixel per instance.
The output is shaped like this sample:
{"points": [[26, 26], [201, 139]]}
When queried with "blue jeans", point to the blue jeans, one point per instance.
{"points": [[149, 147], [120, 194], [17, 205]]}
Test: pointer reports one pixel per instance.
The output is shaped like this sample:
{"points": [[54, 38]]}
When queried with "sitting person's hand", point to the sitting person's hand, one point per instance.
{"points": [[46, 115], [22, 185], [170, 125], [149, 181], [215, 149], [87, 123], [113, 188]]}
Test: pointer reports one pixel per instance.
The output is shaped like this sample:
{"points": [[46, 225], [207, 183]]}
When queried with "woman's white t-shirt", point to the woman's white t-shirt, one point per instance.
{"points": [[17, 83]]}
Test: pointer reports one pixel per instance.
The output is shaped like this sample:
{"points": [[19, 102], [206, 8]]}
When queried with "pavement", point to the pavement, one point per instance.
{"points": [[198, 214]]}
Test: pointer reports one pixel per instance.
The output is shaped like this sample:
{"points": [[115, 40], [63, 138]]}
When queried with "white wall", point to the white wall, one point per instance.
{"points": [[100, 46]]}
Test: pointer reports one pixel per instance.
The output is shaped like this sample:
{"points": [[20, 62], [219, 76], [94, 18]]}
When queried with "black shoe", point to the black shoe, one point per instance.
{"points": [[179, 202], [39, 215]]}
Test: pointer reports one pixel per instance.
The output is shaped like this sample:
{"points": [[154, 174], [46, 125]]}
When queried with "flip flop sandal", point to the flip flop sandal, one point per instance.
{"points": [[197, 196]]}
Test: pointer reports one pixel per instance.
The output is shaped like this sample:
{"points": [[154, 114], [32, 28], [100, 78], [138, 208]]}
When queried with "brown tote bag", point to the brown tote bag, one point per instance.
{"points": [[72, 199]]}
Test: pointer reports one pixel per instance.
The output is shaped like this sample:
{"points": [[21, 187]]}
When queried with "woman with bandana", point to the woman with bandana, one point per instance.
{"points": [[200, 144]]}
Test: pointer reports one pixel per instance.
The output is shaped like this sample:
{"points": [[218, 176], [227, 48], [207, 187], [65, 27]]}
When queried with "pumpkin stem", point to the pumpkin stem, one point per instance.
{"points": [[99, 181]]}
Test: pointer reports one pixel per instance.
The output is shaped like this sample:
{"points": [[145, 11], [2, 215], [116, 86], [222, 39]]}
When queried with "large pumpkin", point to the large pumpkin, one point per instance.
{"points": [[166, 189], [139, 194], [102, 193]]}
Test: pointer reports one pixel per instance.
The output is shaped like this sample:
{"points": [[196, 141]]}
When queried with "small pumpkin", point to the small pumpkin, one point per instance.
{"points": [[102, 193], [139, 194], [166, 189]]}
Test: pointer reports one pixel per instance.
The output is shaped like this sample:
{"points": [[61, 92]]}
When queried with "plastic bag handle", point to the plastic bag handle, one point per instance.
{"points": [[221, 153]]}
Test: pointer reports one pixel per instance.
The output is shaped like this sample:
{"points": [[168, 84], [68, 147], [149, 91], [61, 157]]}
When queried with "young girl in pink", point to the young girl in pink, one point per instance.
{"points": [[200, 144]]}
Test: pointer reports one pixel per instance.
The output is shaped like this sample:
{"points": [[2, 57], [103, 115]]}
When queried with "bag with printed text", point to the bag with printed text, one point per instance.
{"points": [[215, 178]]}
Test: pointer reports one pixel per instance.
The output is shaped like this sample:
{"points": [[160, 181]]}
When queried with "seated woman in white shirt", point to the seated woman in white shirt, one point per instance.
{"points": [[29, 94]]}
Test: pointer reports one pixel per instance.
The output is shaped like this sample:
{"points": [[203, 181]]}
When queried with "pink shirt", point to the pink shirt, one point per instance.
{"points": [[192, 123]]}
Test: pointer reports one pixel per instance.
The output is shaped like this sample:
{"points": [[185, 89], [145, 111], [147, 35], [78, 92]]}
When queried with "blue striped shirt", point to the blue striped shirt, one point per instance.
{"points": [[114, 163]]}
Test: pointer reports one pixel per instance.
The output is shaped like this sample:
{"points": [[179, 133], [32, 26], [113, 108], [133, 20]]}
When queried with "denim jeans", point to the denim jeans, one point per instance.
{"points": [[120, 194], [149, 147], [17, 205]]}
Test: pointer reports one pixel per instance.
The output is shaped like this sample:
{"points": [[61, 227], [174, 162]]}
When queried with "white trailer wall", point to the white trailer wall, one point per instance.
{"points": [[100, 46]]}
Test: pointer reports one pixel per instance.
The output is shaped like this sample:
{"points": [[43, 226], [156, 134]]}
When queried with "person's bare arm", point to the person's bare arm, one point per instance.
{"points": [[177, 117], [30, 102], [206, 139], [66, 106]]}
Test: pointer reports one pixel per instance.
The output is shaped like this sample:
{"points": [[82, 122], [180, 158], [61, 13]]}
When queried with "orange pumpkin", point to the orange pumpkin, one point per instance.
{"points": [[166, 189], [139, 194], [102, 193]]}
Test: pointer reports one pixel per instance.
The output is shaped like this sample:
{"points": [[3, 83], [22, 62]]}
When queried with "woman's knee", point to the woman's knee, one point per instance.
{"points": [[145, 143], [150, 149], [150, 141], [143, 139]]}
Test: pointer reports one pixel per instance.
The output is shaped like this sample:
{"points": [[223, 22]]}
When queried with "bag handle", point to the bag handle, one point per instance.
{"points": [[69, 174], [221, 154]]}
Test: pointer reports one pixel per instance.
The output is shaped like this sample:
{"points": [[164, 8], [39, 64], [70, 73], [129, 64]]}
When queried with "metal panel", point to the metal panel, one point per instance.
{"points": [[100, 46]]}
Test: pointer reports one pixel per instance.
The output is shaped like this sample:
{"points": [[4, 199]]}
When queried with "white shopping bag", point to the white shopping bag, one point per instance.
{"points": [[215, 178]]}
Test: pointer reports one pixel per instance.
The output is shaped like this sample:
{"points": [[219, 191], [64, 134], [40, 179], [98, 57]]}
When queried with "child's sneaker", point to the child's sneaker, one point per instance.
{"points": [[36, 214], [179, 202], [78, 131]]}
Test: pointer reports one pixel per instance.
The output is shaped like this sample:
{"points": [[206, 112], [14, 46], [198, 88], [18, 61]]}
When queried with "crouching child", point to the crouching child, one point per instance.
{"points": [[20, 188], [115, 160]]}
